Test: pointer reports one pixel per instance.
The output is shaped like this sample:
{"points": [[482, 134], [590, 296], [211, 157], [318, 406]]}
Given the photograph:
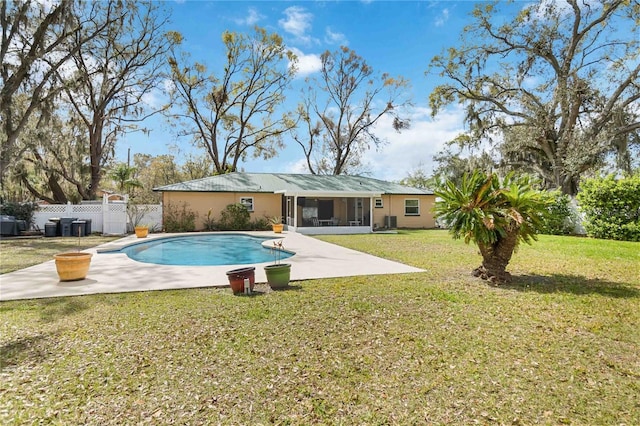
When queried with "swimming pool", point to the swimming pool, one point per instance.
{"points": [[203, 250]]}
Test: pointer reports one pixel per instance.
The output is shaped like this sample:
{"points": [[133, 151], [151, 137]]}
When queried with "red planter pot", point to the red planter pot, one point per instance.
{"points": [[237, 276]]}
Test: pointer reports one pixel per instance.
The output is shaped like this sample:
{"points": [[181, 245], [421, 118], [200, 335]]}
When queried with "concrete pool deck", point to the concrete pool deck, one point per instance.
{"points": [[117, 273]]}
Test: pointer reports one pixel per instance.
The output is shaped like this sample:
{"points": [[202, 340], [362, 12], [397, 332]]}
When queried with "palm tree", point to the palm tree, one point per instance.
{"points": [[496, 215], [124, 176]]}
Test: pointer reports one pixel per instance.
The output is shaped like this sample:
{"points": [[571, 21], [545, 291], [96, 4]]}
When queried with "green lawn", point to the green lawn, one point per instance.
{"points": [[561, 345], [23, 252]]}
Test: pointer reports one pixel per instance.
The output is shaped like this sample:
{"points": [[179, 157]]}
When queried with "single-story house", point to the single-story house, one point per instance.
{"points": [[312, 204]]}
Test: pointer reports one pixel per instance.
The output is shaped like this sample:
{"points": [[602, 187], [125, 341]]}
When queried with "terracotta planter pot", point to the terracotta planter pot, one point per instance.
{"points": [[142, 231], [277, 227], [72, 266], [237, 276], [278, 276]]}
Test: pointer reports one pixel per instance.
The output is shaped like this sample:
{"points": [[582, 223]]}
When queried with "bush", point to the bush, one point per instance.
{"points": [[210, 223], [234, 217], [560, 218], [611, 207], [21, 211], [179, 219], [260, 225]]}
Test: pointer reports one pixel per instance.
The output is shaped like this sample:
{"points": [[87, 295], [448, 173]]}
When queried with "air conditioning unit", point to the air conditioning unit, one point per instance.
{"points": [[391, 221]]}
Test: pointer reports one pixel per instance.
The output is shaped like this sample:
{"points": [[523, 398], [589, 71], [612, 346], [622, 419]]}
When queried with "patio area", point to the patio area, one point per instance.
{"points": [[116, 273]]}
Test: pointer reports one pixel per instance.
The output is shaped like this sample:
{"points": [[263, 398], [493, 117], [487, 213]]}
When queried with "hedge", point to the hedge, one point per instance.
{"points": [[611, 207]]}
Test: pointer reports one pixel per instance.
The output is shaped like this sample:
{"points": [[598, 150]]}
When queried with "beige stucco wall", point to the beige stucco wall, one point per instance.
{"points": [[269, 205], [393, 205], [264, 205]]}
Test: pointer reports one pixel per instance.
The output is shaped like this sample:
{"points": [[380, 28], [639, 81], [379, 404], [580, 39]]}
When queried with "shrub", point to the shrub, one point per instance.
{"points": [[136, 213], [561, 218], [261, 224], [21, 211], [611, 207], [179, 218], [234, 217], [210, 223]]}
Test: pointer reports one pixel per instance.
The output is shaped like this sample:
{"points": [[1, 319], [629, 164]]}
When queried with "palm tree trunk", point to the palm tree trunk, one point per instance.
{"points": [[496, 257]]}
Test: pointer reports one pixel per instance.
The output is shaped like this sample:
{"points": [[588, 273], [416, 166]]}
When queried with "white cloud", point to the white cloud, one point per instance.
{"points": [[331, 37], [252, 18], [168, 85], [297, 22], [298, 166], [159, 97], [443, 18], [540, 10], [415, 147], [307, 63], [153, 99]]}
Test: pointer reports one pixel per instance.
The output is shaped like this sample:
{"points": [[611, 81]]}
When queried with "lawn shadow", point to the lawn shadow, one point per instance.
{"points": [[56, 308], [288, 288], [262, 290], [574, 284], [18, 351], [254, 293]]}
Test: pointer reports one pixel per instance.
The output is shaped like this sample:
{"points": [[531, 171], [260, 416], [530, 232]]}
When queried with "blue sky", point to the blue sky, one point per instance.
{"points": [[397, 37]]}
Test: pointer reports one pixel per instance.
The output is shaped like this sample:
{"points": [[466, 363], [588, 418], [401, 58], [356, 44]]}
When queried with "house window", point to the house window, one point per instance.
{"points": [[247, 202], [377, 203], [412, 207]]}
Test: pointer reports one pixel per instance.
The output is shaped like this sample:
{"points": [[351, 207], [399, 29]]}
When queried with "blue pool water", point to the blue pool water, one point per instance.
{"points": [[203, 250]]}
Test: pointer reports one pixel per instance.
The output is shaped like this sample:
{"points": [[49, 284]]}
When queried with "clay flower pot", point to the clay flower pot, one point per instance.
{"points": [[278, 276], [72, 266], [237, 276], [142, 231], [276, 224]]}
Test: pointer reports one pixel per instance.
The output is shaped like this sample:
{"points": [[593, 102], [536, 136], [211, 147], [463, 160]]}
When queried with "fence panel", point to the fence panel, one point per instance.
{"points": [[152, 216], [115, 219], [115, 212]]}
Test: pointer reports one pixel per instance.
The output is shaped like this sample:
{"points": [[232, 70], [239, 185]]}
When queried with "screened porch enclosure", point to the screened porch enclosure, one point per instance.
{"points": [[328, 211]]}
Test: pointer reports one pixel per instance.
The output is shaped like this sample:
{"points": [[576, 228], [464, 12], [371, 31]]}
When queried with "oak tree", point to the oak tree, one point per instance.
{"points": [[112, 77], [234, 113], [38, 39], [340, 109], [554, 89]]}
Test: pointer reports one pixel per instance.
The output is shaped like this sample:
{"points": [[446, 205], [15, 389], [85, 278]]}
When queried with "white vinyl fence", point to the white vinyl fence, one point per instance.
{"points": [[108, 217]]}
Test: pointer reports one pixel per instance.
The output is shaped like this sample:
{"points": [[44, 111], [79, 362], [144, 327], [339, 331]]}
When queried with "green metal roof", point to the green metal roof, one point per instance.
{"points": [[298, 184]]}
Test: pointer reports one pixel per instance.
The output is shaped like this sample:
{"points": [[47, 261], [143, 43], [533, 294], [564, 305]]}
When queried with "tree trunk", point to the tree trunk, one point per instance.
{"points": [[496, 257], [95, 154], [59, 197]]}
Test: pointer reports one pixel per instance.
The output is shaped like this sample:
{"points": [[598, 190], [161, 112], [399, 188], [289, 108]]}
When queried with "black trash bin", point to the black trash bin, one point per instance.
{"points": [[65, 226], [50, 229], [22, 225], [77, 228], [56, 221], [87, 227], [8, 225]]}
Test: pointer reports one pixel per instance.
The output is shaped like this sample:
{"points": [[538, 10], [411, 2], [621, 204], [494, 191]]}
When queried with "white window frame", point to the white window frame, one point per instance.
{"points": [[247, 202], [377, 203], [417, 213]]}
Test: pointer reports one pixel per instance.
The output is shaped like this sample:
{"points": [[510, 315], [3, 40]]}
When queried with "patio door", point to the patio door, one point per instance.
{"points": [[325, 209], [358, 211], [289, 212]]}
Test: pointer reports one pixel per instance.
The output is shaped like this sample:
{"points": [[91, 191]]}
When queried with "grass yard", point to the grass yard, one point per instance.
{"points": [[561, 345], [23, 252]]}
